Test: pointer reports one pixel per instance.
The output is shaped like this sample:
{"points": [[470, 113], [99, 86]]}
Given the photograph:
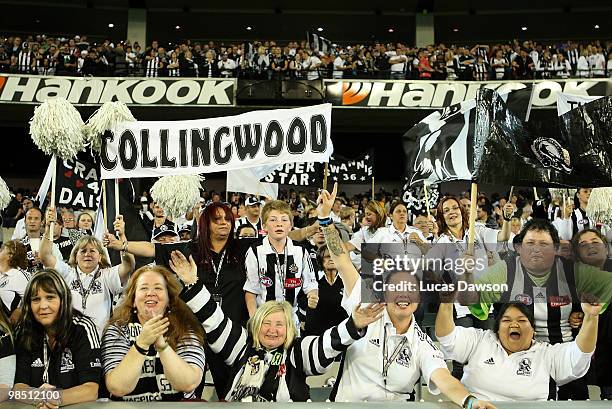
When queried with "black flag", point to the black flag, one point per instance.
{"points": [[352, 171], [303, 174]]}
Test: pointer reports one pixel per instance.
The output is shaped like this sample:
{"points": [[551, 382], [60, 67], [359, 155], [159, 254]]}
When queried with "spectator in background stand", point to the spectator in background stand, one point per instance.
{"points": [[5, 59], [173, 65], [500, 65], [451, 66], [24, 61], [210, 68], [130, 60], [153, 64], [583, 68], [227, 66], [311, 65], [523, 66], [597, 62], [481, 69], [66, 62], [465, 62], [187, 65], [563, 68]]}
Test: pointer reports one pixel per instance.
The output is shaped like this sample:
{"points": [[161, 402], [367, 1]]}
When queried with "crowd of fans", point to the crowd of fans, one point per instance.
{"points": [[229, 256], [78, 56]]}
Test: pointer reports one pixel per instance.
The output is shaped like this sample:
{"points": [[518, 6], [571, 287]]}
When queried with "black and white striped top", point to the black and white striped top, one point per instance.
{"points": [[24, 61], [152, 385], [152, 67], [481, 71], [173, 72], [311, 355]]}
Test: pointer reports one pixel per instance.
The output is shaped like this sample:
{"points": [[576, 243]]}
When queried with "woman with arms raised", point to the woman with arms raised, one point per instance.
{"points": [[386, 363], [267, 361], [507, 363]]}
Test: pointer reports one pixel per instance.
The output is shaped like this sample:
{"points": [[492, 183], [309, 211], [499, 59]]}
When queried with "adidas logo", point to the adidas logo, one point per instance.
{"points": [[539, 295], [375, 342], [37, 364], [490, 361]]}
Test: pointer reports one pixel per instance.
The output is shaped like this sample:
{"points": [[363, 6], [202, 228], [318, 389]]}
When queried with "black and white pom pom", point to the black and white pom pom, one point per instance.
{"points": [[105, 119], [177, 194], [599, 207], [56, 128], [5, 195]]}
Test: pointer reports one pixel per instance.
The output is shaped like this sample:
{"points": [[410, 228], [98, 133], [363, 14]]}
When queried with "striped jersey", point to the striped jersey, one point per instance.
{"points": [[311, 355], [152, 384], [278, 276]]}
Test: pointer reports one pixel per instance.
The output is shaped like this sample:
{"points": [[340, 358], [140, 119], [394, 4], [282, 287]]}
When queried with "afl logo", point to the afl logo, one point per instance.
{"points": [[551, 154], [523, 298], [266, 281]]}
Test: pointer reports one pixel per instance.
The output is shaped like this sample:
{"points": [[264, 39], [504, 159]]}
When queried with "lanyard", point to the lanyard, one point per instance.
{"points": [[281, 270], [85, 293], [388, 361], [46, 360], [217, 269], [404, 238]]}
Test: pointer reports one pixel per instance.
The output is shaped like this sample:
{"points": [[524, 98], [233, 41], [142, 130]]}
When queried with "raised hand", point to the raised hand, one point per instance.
{"points": [[325, 201], [186, 270], [364, 316], [592, 309]]}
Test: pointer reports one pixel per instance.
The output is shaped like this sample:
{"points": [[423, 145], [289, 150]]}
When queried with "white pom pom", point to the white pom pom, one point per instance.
{"points": [[177, 194], [599, 207], [56, 128], [5, 195], [104, 119]]}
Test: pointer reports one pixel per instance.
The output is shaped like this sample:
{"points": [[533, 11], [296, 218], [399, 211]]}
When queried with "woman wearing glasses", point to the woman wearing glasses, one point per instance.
{"points": [[89, 274], [453, 225]]}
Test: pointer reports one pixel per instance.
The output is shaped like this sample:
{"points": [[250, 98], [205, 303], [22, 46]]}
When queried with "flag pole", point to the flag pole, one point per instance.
{"points": [[117, 211], [325, 175], [426, 199], [104, 210], [372, 187], [53, 186], [564, 204], [535, 194], [471, 234]]}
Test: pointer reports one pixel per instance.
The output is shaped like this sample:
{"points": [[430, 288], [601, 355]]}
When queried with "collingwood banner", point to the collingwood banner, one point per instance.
{"points": [[158, 148], [132, 91]]}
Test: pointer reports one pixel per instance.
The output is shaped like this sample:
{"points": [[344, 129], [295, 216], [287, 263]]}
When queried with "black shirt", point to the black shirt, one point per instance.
{"points": [[329, 312], [232, 275], [79, 362]]}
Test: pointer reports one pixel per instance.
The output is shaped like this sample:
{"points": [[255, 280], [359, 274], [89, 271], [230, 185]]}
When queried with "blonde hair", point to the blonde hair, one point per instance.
{"points": [[271, 307], [84, 241], [277, 205], [346, 213]]}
